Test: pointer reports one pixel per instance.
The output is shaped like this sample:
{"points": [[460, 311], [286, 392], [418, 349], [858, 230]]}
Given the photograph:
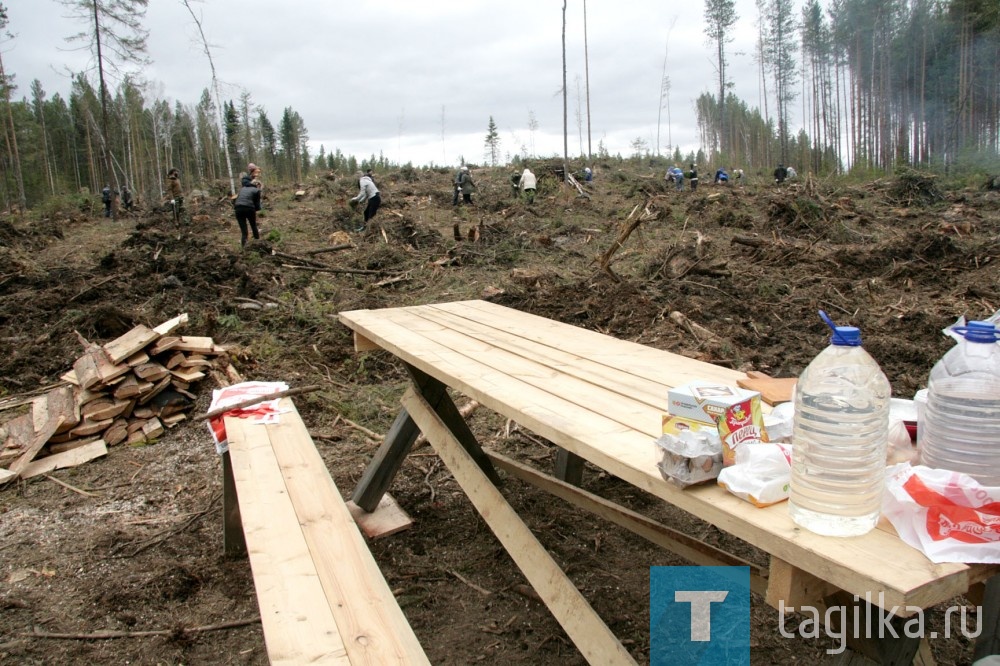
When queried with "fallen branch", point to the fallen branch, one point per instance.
{"points": [[572, 181], [697, 331], [70, 487], [292, 257], [334, 248], [361, 428], [625, 230], [93, 287], [358, 271], [393, 280], [178, 631], [259, 399], [28, 396], [163, 535], [465, 411], [481, 590], [527, 592]]}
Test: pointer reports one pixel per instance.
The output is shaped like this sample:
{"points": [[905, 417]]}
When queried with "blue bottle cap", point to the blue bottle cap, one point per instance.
{"points": [[843, 336], [846, 336], [979, 331]]}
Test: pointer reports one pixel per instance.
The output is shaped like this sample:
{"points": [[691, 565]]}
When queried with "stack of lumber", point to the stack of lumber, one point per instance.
{"points": [[126, 391]]}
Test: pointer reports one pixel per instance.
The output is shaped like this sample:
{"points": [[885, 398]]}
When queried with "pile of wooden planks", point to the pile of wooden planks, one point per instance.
{"points": [[126, 391]]}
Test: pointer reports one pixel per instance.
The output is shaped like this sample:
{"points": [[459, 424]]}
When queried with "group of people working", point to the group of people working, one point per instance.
{"points": [[108, 196], [676, 175]]}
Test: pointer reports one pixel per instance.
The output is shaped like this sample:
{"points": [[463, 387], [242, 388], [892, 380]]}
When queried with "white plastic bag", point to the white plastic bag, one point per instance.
{"points": [[948, 516], [761, 473], [262, 412]]}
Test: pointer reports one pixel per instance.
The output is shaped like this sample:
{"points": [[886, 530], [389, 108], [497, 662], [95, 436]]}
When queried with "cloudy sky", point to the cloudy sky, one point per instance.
{"points": [[418, 80]]}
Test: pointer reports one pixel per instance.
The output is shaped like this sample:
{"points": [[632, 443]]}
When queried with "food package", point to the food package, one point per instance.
{"points": [[706, 401], [741, 425], [760, 475], [690, 457]]}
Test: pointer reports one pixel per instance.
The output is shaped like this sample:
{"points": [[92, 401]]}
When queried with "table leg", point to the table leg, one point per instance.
{"points": [[988, 641], [589, 633], [389, 458], [883, 648], [569, 467]]}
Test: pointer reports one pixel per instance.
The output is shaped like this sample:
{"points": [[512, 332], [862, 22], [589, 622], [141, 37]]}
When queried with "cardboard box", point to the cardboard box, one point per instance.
{"points": [[705, 401], [675, 425]]}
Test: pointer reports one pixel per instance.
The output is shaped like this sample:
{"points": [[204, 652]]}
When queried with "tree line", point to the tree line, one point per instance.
{"points": [[60, 141], [881, 83]]}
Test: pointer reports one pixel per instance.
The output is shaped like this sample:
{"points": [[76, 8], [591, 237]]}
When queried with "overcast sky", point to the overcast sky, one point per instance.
{"points": [[394, 76]]}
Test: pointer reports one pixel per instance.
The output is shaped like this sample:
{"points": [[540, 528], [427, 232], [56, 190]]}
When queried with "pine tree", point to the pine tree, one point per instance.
{"points": [[720, 17], [492, 142], [116, 34]]}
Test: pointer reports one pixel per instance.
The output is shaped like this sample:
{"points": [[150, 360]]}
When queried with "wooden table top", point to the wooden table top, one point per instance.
{"points": [[602, 398]]}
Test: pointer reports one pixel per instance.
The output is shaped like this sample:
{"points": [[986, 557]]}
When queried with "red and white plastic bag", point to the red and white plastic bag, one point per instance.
{"points": [[262, 412], [948, 516]]}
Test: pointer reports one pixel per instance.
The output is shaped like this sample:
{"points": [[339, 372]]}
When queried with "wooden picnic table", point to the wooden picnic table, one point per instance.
{"points": [[601, 399]]}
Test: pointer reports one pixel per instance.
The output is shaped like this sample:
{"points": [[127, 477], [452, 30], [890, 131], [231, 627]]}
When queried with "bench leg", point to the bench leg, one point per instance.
{"points": [[588, 632], [389, 458], [233, 541], [569, 467]]}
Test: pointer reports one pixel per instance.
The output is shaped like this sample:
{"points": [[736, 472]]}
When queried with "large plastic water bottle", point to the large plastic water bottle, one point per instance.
{"points": [[839, 439], [961, 427]]}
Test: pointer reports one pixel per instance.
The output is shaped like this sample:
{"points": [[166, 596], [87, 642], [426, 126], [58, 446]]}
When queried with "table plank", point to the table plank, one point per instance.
{"points": [[563, 408]]}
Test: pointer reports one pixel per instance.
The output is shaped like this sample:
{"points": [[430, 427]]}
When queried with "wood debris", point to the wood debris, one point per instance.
{"points": [[128, 390]]}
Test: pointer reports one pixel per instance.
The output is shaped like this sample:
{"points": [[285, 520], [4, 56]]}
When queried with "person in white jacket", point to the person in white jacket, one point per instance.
{"points": [[369, 193], [528, 184]]}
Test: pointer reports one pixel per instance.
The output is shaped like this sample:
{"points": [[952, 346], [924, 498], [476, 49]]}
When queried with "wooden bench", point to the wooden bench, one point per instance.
{"points": [[322, 597], [601, 399]]}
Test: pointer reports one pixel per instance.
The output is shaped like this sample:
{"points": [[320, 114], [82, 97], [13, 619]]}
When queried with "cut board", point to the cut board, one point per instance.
{"points": [[131, 343], [773, 390], [387, 518]]}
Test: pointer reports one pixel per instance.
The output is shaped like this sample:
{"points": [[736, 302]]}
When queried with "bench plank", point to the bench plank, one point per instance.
{"points": [[578, 412], [345, 578], [299, 626]]}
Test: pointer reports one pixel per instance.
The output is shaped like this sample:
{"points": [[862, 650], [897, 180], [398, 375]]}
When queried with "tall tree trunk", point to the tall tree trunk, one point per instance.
{"points": [[218, 102], [565, 101], [11, 140], [586, 70]]}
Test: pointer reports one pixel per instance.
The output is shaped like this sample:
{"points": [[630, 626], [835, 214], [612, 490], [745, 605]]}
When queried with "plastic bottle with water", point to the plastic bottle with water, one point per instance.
{"points": [[961, 424], [839, 439]]}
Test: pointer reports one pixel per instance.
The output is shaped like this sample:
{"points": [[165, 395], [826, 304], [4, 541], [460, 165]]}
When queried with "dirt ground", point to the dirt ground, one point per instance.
{"points": [[140, 548]]}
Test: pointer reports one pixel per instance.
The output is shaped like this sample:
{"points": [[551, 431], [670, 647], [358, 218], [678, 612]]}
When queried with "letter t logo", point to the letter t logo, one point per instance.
{"points": [[701, 611]]}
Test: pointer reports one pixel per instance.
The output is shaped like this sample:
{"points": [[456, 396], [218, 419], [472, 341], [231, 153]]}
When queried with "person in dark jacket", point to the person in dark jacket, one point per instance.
{"points": [[780, 174], [457, 185], [693, 178], [106, 200], [252, 173], [466, 185], [126, 197], [176, 193], [246, 204]]}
